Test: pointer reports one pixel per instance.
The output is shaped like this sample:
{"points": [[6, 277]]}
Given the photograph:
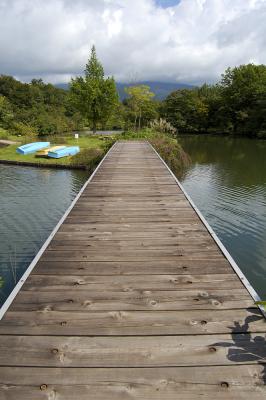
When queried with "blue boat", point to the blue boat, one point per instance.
{"points": [[64, 152], [32, 147]]}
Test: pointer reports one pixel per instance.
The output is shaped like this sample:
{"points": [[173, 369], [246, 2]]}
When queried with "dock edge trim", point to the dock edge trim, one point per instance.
{"points": [[223, 249], [31, 266]]}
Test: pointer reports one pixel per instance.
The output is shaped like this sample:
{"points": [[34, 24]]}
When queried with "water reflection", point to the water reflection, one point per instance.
{"points": [[32, 200], [227, 181]]}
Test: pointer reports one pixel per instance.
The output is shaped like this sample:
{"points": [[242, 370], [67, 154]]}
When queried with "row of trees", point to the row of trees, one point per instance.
{"points": [[35, 108], [236, 105]]}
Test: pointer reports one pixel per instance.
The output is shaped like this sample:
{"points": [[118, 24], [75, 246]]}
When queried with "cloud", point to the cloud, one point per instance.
{"points": [[188, 41]]}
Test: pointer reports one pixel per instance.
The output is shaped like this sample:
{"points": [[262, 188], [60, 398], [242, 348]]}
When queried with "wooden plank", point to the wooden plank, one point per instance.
{"points": [[177, 267], [133, 300], [112, 323], [131, 351], [131, 282], [222, 383]]}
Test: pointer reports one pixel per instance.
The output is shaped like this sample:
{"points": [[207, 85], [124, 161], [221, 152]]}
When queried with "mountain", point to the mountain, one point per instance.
{"points": [[161, 89]]}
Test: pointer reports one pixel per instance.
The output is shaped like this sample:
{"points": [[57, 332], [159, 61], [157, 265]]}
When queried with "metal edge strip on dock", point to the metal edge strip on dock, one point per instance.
{"points": [[223, 249], [31, 266]]}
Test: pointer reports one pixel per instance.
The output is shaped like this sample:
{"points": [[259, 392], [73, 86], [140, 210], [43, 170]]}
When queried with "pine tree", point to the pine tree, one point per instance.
{"points": [[94, 95]]}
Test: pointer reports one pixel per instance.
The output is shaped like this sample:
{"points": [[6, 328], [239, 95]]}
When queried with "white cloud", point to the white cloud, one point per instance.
{"points": [[191, 42]]}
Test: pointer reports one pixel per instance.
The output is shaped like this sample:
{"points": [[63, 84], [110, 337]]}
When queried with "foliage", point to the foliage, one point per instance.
{"points": [[37, 105], [92, 95], [6, 112], [21, 129], [186, 110], [162, 126], [261, 303], [139, 107], [171, 152], [236, 105]]}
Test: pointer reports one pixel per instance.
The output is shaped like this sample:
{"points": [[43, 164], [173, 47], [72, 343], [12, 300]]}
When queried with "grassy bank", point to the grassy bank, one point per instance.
{"points": [[92, 149]]}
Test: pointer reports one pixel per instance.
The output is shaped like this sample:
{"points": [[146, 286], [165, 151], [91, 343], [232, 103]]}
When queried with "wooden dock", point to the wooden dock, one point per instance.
{"points": [[132, 299]]}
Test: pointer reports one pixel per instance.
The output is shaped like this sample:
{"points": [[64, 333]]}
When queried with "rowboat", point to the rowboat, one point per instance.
{"points": [[64, 152], [44, 152], [32, 147]]}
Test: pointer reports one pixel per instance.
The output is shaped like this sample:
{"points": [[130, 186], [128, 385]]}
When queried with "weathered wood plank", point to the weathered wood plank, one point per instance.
{"points": [[222, 383], [131, 282], [177, 267], [131, 351], [112, 323], [133, 300]]}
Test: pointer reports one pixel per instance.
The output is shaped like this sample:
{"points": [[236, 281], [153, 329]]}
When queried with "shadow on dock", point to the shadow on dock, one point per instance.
{"points": [[246, 348]]}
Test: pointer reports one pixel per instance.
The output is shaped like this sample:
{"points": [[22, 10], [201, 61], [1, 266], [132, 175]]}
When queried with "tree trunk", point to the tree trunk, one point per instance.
{"points": [[139, 119], [135, 122]]}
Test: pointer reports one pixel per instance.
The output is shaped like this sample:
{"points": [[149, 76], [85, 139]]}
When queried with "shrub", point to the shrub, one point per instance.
{"points": [[162, 126], [171, 152], [88, 158], [21, 129]]}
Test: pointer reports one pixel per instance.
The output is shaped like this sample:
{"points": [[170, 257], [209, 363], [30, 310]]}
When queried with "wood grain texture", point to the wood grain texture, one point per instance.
{"points": [[132, 299]]}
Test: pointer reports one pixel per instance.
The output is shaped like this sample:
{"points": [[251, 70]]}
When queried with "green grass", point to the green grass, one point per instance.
{"points": [[90, 148]]}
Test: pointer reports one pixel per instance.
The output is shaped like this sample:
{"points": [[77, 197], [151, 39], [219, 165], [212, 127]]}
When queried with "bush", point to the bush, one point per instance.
{"points": [[88, 158], [162, 126], [3, 134], [21, 129], [171, 152]]}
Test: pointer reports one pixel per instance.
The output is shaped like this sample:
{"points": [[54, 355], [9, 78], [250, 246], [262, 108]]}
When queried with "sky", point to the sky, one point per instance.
{"points": [[185, 41]]}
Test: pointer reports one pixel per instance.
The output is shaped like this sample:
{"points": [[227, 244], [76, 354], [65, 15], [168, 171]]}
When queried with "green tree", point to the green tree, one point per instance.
{"points": [[243, 91], [140, 106], [6, 112], [94, 95], [187, 110]]}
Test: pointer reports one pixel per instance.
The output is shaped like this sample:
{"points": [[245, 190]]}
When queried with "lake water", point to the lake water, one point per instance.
{"points": [[227, 182], [32, 200]]}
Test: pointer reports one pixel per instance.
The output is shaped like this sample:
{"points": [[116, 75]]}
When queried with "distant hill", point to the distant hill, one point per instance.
{"points": [[161, 89]]}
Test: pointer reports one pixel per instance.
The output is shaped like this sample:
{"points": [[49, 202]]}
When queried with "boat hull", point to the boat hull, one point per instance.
{"points": [[44, 152], [65, 152], [31, 148]]}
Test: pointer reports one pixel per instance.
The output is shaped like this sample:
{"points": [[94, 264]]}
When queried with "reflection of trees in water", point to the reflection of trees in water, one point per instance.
{"points": [[244, 347], [240, 161]]}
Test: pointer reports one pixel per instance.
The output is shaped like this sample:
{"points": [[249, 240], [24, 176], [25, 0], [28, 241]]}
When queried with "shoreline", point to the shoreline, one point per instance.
{"points": [[43, 165]]}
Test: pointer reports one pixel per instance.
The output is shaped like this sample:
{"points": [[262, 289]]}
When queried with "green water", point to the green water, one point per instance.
{"points": [[227, 182], [32, 200]]}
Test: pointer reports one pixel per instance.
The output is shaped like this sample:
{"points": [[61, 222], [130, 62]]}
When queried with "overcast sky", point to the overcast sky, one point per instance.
{"points": [[189, 41]]}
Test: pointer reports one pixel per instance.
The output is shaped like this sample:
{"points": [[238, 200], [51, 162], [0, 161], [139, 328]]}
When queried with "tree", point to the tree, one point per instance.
{"points": [[140, 104], [94, 95], [6, 112], [186, 110], [243, 91]]}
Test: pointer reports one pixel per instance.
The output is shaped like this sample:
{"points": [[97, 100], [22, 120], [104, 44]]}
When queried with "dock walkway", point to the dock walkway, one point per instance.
{"points": [[132, 299]]}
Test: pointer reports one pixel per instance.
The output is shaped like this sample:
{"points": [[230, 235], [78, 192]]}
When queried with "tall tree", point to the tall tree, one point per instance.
{"points": [[94, 95]]}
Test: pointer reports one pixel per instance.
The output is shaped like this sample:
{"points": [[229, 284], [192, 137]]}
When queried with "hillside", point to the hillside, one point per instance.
{"points": [[161, 89]]}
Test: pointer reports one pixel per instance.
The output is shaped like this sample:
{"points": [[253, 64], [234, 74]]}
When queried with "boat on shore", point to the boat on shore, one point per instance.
{"points": [[64, 152], [32, 147], [44, 152]]}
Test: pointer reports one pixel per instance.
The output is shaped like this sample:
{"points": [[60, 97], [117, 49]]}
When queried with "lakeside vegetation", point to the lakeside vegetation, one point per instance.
{"points": [[236, 106]]}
